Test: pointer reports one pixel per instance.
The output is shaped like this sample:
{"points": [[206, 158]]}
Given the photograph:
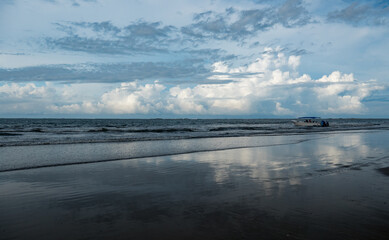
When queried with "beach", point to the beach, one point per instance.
{"points": [[324, 185]]}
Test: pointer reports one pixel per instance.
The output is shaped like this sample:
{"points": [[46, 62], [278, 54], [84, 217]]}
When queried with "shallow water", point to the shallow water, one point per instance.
{"points": [[26, 157], [329, 186]]}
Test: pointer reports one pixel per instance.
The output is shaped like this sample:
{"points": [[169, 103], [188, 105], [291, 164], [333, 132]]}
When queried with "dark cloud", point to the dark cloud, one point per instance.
{"points": [[292, 13], [199, 16], [99, 27], [153, 34], [139, 37], [369, 13], [298, 52], [152, 37], [251, 21], [115, 72], [222, 26]]}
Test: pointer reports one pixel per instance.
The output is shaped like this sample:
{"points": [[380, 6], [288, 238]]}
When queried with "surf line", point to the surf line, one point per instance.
{"points": [[148, 156]]}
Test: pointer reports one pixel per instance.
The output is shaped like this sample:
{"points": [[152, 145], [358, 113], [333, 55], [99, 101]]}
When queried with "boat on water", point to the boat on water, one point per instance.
{"points": [[310, 122]]}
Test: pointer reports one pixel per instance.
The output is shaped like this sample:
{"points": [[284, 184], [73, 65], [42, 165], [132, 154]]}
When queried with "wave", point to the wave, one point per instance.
{"points": [[15, 131], [218, 129], [144, 130], [10, 134]]}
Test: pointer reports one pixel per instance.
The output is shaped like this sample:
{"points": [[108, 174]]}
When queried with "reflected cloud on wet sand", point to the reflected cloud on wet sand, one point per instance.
{"points": [[300, 190]]}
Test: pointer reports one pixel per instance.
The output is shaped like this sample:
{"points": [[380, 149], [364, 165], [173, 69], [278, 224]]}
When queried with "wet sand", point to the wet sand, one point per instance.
{"points": [[332, 186]]}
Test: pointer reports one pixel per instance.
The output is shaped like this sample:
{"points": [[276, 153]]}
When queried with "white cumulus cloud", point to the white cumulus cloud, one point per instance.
{"points": [[271, 85]]}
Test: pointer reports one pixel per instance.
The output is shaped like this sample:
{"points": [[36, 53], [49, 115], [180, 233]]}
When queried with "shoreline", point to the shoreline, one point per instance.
{"points": [[20, 157], [15, 158]]}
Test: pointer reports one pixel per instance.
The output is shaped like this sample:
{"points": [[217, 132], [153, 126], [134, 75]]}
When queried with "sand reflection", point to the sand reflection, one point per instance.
{"points": [[275, 168], [300, 190]]}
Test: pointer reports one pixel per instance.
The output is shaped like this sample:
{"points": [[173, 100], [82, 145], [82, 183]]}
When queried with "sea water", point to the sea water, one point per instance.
{"points": [[25, 132]]}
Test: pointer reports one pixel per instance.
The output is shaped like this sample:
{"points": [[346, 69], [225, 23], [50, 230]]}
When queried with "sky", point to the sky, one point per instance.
{"points": [[197, 59]]}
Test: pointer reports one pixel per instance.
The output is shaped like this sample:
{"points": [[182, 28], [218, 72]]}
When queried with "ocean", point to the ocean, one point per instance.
{"points": [[25, 132]]}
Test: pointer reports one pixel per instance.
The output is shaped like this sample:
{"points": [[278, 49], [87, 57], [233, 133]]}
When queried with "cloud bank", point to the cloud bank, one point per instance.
{"points": [[270, 84]]}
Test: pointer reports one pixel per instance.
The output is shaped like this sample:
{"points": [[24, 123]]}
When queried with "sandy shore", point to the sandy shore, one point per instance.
{"points": [[329, 186]]}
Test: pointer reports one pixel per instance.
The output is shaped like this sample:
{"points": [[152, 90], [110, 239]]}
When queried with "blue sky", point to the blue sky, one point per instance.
{"points": [[181, 58]]}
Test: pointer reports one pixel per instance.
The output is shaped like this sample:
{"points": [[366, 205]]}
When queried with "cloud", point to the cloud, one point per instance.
{"points": [[271, 80], [134, 98], [128, 98], [292, 13], [110, 72], [18, 92], [235, 25], [361, 14], [152, 40], [142, 37], [337, 77], [268, 86], [281, 111], [28, 98], [284, 91], [105, 38]]}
